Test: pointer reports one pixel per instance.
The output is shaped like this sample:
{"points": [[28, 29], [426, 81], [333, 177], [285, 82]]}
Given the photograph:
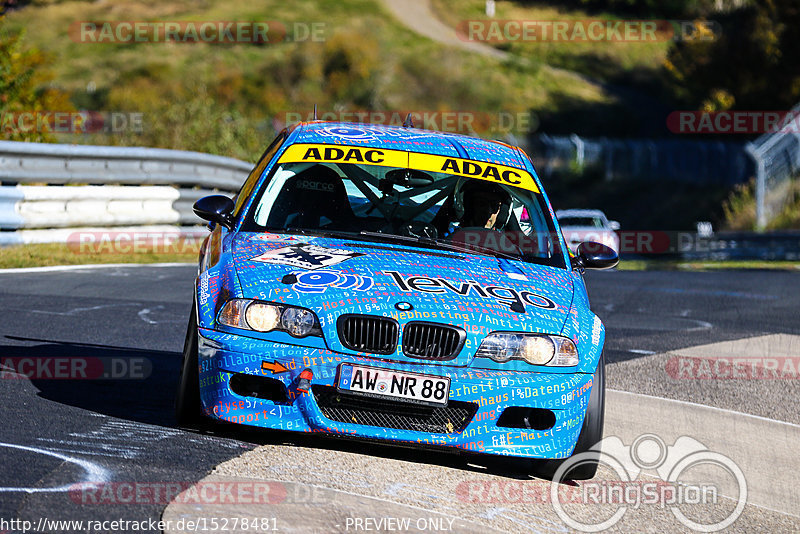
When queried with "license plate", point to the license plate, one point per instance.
{"points": [[384, 383]]}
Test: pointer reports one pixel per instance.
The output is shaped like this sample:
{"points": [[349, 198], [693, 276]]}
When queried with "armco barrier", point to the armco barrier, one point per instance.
{"points": [[26, 163], [110, 205], [48, 186]]}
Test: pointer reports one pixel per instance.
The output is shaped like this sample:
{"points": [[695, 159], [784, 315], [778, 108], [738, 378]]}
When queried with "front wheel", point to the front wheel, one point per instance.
{"points": [[188, 409], [591, 434]]}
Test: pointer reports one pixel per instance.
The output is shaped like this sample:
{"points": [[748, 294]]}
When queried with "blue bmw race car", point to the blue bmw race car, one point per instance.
{"points": [[402, 285]]}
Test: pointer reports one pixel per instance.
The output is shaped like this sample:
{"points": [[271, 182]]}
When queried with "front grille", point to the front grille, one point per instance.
{"points": [[347, 408], [368, 333], [432, 341]]}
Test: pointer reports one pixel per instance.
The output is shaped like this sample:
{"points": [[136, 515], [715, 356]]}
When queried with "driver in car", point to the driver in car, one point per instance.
{"points": [[482, 202], [483, 217]]}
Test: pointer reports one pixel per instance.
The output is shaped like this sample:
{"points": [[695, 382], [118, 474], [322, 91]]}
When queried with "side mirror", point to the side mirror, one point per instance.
{"points": [[614, 225], [594, 256], [215, 208]]}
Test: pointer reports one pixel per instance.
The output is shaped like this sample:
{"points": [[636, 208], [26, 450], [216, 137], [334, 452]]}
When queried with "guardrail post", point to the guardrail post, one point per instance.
{"points": [[761, 177]]}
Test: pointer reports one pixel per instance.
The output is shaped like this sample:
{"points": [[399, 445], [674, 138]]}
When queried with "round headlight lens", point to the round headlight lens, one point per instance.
{"points": [[297, 322], [262, 317], [499, 348], [536, 350]]}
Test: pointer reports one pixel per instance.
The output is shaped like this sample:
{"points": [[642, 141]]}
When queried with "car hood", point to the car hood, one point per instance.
{"points": [[334, 277]]}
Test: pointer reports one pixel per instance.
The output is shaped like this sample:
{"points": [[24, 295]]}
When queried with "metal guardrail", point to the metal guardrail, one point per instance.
{"points": [[26, 163], [777, 158], [48, 186]]}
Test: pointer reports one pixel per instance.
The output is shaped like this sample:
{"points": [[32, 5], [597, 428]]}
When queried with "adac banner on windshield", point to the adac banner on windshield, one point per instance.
{"points": [[482, 170]]}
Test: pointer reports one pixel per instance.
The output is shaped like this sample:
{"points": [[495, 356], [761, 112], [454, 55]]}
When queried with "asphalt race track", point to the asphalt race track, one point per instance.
{"points": [[129, 322]]}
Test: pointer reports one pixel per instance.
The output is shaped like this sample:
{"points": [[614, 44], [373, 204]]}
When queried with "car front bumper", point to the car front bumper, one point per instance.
{"points": [[235, 388]]}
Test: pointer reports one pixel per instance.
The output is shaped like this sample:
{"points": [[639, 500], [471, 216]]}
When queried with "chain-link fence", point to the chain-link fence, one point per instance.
{"points": [[777, 158]]}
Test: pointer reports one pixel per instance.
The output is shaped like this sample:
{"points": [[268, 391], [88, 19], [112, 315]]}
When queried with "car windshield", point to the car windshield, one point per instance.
{"points": [[429, 209], [593, 222]]}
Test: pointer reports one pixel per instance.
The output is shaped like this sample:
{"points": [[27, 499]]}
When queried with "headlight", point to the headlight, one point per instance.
{"points": [[263, 317], [535, 349], [298, 321], [269, 316]]}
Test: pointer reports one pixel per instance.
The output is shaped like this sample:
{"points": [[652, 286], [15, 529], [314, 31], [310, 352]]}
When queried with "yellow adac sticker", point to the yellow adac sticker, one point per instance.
{"points": [[481, 170], [345, 154]]}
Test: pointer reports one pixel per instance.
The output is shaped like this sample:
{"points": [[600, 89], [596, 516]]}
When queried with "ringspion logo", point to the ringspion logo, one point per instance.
{"points": [[676, 466]]}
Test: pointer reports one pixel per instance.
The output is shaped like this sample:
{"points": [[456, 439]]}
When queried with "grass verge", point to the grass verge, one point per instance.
{"points": [[49, 254]]}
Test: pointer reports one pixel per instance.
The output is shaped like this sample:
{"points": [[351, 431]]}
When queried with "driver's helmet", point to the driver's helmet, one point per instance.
{"points": [[476, 200]]}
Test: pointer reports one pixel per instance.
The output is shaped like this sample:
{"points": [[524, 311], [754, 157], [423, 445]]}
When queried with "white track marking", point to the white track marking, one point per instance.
{"points": [[75, 311], [94, 473], [58, 268], [687, 403], [701, 325]]}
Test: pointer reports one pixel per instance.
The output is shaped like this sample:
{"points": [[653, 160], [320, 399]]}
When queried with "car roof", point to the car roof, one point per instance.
{"points": [[580, 213], [409, 139]]}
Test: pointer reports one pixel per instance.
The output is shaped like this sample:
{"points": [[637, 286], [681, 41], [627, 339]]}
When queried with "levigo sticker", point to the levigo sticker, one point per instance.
{"points": [[482, 170], [305, 256], [516, 300]]}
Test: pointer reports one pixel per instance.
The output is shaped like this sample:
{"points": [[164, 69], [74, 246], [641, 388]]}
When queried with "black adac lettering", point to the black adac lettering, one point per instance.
{"points": [[334, 154], [354, 154], [491, 172], [507, 177], [312, 153], [451, 165], [471, 169], [373, 155]]}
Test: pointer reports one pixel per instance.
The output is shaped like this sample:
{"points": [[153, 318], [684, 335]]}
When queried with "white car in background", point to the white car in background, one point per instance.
{"points": [[579, 226]]}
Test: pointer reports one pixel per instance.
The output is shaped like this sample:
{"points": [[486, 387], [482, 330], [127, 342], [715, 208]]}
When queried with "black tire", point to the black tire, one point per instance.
{"points": [[188, 411], [591, 433]]}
